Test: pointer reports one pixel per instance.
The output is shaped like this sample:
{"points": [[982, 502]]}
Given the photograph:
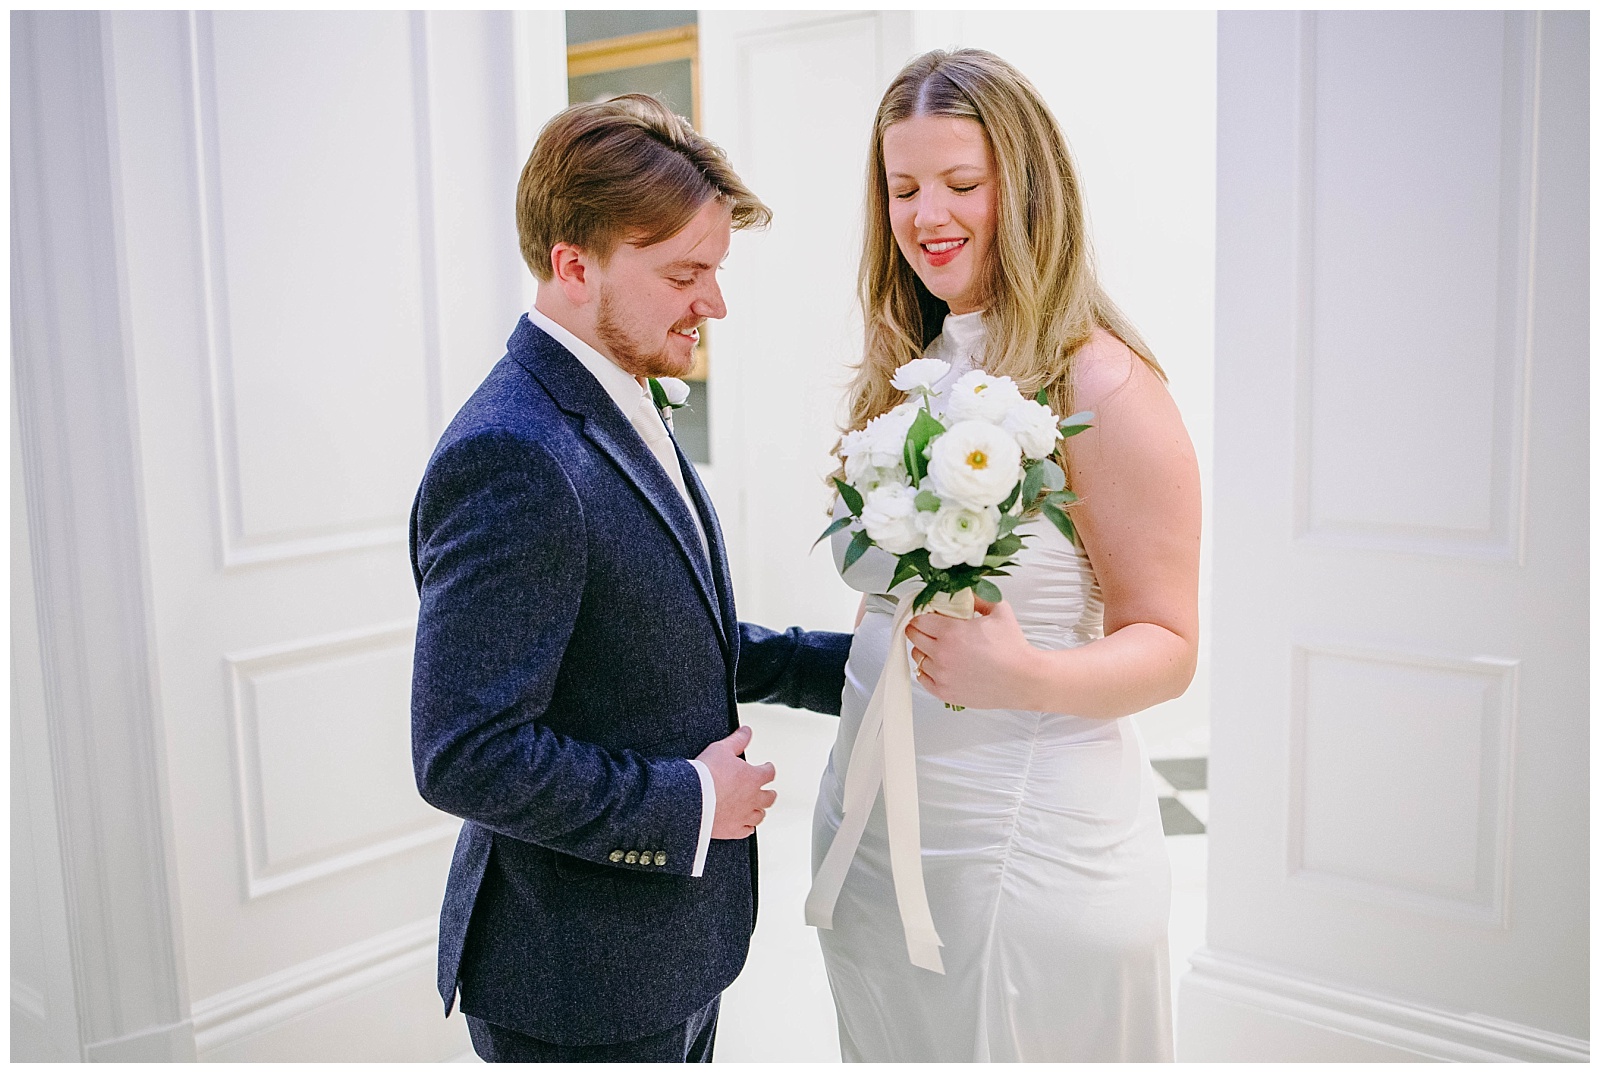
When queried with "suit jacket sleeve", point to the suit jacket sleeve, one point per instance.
{"points": [[799, 668], [498, 539]]}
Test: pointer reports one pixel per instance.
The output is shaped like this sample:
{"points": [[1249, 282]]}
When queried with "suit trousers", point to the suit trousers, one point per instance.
{"points": [[690, 1041]]}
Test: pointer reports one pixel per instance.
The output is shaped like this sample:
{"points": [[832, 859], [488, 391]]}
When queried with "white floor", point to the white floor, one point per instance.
{"points": [[779, 1009]]}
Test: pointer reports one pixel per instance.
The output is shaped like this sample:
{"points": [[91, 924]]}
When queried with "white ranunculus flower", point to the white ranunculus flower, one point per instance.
{"points": [[920, 374], [676, 390], [885, 435], [977, 396], [892, 520], [974, 464], [1034, 427], [959, 535]]}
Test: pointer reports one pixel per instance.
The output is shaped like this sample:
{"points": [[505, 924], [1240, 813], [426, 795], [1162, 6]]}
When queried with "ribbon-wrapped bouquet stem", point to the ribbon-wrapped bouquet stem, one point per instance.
{"points": [[944, 493]]}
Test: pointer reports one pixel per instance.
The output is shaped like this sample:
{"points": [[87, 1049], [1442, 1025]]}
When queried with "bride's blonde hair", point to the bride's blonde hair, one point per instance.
{"points": [[1041, 298]]}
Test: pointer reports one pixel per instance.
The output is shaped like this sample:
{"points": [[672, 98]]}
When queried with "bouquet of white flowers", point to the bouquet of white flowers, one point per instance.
{"points": [[945, 492]]}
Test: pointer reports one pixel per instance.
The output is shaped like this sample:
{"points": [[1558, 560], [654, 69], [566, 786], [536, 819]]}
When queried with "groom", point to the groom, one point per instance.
{"points": [[578, 660]]}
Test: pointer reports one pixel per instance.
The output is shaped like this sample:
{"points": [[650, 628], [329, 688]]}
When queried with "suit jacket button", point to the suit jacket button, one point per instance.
{"points": [[661, 858], [632, 857], [616, 856]]}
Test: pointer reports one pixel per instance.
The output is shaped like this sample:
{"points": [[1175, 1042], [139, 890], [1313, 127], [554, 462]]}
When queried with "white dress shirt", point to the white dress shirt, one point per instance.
{"points": [[625, 390]]}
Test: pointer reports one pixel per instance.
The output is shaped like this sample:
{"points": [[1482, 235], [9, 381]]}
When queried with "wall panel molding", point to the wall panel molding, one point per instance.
{"points": [[1263, 996], [239, 545], [264, 1003], [266, 870], [1477, 888], [1328, 512]]}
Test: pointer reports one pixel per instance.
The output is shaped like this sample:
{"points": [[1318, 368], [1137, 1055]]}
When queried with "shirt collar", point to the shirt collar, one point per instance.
{"points": [[623, 387]]}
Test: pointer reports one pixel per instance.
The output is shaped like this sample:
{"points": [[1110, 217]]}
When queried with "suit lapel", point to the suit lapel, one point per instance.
{"points": [[578, 393], [719, 554]]}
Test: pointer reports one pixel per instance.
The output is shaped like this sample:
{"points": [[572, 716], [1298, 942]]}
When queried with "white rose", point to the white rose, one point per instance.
{"points": [[676, 390], [892, 520], [959, 535], [977, 396], [920, 374], [974, 464], [1034, 427]]}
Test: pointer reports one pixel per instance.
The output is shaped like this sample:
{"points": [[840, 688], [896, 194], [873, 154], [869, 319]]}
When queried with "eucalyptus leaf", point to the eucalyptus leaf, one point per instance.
{"points": [[1042, 398], [838, 524], [1054, 479], [858, 547], [1008, 522], [926, 500], [851, 497], [988, 590], [1078, 422], [1065, 495]]}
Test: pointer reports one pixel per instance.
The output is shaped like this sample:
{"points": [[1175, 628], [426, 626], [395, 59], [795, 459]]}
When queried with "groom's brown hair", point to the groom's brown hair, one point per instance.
{"points": [[626, 169]]}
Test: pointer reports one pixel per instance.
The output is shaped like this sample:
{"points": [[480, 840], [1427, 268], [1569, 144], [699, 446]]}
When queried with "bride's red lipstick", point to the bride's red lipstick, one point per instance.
{"points": [[944, 256]]}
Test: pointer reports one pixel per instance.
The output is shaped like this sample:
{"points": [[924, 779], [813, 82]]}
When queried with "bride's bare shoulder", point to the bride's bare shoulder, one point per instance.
{"points": [[1103, 367]]}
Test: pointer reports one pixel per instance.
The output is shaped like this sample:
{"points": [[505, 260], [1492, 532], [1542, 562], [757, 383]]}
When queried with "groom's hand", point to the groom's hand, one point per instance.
{"points": [[742, 800]]}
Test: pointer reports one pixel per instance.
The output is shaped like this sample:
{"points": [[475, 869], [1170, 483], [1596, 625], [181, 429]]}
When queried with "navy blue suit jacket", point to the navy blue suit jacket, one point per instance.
{"points": [[574, 647]]}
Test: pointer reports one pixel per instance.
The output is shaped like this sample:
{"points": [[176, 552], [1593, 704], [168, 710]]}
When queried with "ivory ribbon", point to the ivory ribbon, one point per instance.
{"points": [[885, 754]]}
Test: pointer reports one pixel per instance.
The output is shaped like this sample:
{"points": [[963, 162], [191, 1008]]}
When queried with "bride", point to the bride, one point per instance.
{"points": [[1042, 850]]}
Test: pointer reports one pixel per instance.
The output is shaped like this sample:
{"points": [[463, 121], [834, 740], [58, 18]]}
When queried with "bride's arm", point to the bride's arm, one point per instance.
{"points": [[1140, 523]]}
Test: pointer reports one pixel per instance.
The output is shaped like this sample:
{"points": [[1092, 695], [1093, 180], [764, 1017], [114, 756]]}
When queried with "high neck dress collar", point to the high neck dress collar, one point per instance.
{"points": [[964, 334]]}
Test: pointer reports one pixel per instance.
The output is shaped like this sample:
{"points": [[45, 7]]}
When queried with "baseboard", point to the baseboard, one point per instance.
{"points": [[1233, 1008], [272, 1000]]}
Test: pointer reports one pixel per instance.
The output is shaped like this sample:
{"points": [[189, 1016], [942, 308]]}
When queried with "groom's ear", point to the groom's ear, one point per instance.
{"points": [[569, 267]]}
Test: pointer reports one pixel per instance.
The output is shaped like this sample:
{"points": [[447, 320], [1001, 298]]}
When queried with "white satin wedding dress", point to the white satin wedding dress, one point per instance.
{"points": [[1042, 849]]}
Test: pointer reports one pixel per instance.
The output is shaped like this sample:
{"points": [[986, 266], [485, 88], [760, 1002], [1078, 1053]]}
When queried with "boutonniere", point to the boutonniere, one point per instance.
{"points": [[669, 394]]}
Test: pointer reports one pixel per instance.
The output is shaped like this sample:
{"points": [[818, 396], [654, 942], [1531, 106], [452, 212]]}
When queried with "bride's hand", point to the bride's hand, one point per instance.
{"points": [[980, 662]]}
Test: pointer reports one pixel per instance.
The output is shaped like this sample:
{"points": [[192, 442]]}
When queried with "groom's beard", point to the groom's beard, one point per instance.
{"points": [[632, 353]]}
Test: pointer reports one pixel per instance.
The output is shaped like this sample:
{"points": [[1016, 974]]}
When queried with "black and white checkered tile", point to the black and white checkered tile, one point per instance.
{"points": [[1181, 792]]}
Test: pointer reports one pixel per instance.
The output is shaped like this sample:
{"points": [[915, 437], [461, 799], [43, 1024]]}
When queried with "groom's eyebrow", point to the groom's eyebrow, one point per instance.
{"points": [[688, 266]]}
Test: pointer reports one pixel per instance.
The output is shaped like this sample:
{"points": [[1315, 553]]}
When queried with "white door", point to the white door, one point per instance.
{"points": [[1399, 781], [317, 264]]}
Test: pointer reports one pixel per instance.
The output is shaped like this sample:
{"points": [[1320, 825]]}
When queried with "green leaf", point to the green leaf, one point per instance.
{"points": [[1054, 479], [858, 547], [838, 524], [988, 590], [1005, 504], [923, 598], [851, 497], [659, 394], [1066, 495], [1043, 398], [906, 569], [918, 436], [1059, 519], [926, 500], [1032, 483], [1006, 545], [1008, 522], [1081, 421]]}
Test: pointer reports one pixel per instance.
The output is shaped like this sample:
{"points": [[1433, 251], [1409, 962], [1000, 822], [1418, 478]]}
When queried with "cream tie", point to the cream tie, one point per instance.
{"points": [[648, 422]]}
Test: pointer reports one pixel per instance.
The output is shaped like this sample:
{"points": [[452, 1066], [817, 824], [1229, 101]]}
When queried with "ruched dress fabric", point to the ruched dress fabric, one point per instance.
{"points": [[1042, 850]]}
